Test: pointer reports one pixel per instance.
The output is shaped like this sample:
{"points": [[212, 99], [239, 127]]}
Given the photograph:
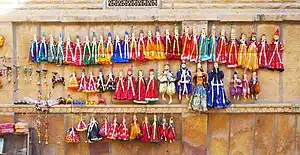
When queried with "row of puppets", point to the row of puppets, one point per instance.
{"points": [[148, 131], [250, 54]]}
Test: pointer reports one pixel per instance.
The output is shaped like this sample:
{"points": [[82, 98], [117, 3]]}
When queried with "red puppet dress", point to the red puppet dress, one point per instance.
{"points": [[164, 130], [141, 89], [186, 45], [120, 93], [91, 85], [194, 48], [168, 45], [232, 52], [221, 48], [130, 85], [276, 52], [104, 128], [171, 131], [151, 89], [82, 82], [123, 131], [246, 87], [155, 130], [141, 48], [263, 52], [79, 53], [69, 56], [113, 129], [176, 47], [146, 130]]}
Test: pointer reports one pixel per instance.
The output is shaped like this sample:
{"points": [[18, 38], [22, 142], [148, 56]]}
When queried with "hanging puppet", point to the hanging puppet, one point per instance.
{"points": [[203, 46], [171, 130], [133, 47], [120, 93], [100, 82], [123, 132], [78, 52], [276, 53], [51, 50], [242, 54], [118, 56], [91, 85], [252, 54], [232, 51], [167, 83], [141, 47], [151, 89], [263, 52], [135, 130], [87, 51], [159, 46], [110, 82], [146, 130], [81, 125], [221, 48], [43, 49], [130, 85], [254, 86], [198, 99], [69, 55], [194, 46], [176, 45], [104, 128], [34, 49], [213, 44], [72, 136], [103, 51], [186, 44], [94, 50], [216, 93], [184, 76], [113, 129], [82, 82], [246, 88], [140, 95], [93, 131], [59, 57], [150, 46], [236, 86], [155, 130], [126, 47], [164, 129], [73, 83], [168, 39]]}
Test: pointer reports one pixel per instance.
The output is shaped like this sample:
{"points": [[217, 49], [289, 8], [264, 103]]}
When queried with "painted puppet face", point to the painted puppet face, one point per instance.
{"points": [[101, 38], [183, 65], [223, 32], [263, 38], [199, 65], [121, 73], [133, 35], [213, 33], [149, 33], [216, 65], [142, 35], [243, 36], [235, 76], [157, 34], [232, 35], [254, 75], [203, 31], [167, 32], [87, 38], [151, 74], [94, 38], [117, 37], [34, 37], [167, 67], [51, 38], [129, 72], [276, 37], [126, 36], [140, 73], [78, 41], [68, 38], [186, 29], [253, 37]]}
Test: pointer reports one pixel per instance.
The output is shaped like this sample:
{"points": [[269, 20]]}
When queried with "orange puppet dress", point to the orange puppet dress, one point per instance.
{"points": [[150, 48], [159, 48]]}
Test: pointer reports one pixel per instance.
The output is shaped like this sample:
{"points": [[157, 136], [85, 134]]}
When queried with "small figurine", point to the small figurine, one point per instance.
{"points": [[104, 128], [164, 129], [168, 39], [133, 47], [91, 85], [146, 130], [194, 46], [34, 49], [118, 56], [221, 48], [126, 47], [110, 82], [135, 130], [155, 130], [151, 89], [87, 51], [216, 93], [93, 131], [123, 132], [69, 54], [198, 99], [69, 99], [171, 130], [94, 50], [59, 58], [113, 129], [82, 82], [73, 83], [140, 95], [184, 76], [276, 53], [141, 47], [246, 88], [236, 86], [212, 44], [203, 46], [72, 136], [252, 54], [78, 52], [130, 85], [105, 50], [176, 45], [159, 46], [167, 83], [120, 93], [232, 51], [263, 50], [150, 47], [254, 86], [57, 79], [61, 100], [81, 125], [242, 54], [186, 44], [100, 99], [51, 49], [43, 49], [101, 82]]}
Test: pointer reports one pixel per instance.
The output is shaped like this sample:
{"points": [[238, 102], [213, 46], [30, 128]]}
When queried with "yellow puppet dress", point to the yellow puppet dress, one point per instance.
{"points": [[150, 47], [252, 56], [105, 50], [242, 54], [159, 48]]}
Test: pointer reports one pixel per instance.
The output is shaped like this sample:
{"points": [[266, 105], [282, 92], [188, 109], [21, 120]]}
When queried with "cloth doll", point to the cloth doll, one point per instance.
{"points": [[203, 46], [82, 82], [59, 57], [236, 86], [34, 49], [232, 51], [69, 54], [81, 125], [146, 130], [168, 47], [184, 77], [176, 45], [104, 128], [78, 52], [73, 83], [118, 56], [123, 131], [113, 129], [126, 47], [167, 83], [194, 56], [221, 55], [186, 44], [101, 82], [93, 131], [276, 53], [43, 49], [94, 50], [87, 51], [155, 130], [159, 46], [91, 85], [133, 47], [120, 93], [51, 49], [103, 50], [72, 136], [141, 47], [152, 88], [171, 131], [164, 130], [140, 93], [252, 54], [130, 85], [254, 86], [263, 52], [110, 82], [212, 44], [246, 88], [135, 130], [150, 47], [242, 54]]}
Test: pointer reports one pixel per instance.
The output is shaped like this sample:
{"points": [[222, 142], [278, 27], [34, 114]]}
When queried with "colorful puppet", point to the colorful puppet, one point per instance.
{"points": [[150, 46], [82, 82], [51, 49], [87, 51], [213, 44], [155, 130], [135, 130], [263, 52], [194, 46], [236, 86], [246, 87], [133, 47], [252, 54], [113, 129], [276, 53], [141, 47], [184, 76], [222, 48], [164, 129], [93, 131], [34, 49], [110, 82], [130, 85], [43, 49], [146, 130], [59, 57], [242, 54], [203, 46], [254, 86], [120, 93], [73, 82], [104, 128], [186, 44], [159, 46], [168, 39], [123, 131], [78, 52], [101, 82], [171, 130], [151, 89], [141, 89], [232, 51], [69, 55], [167, 83], [94, 50], [92, 84]]}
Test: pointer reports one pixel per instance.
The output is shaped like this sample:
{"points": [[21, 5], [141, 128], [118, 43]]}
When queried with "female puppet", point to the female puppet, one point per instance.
{"points": [[118, 56], [236, 86], [246, 88], [167, 83], [130, 85], [101, 82], [232, 51], [141, 47], [252, 55], [110, 82], [94, 50], [87, 51], [276, 53], [263, 52], [133, 47], [213, 44], [221, 48], [135, 130], [59, 58], [73, 83], [167, 39], [104, 128], [120, 93], [176, 45], [150, 46], [194, 46], [203, 46], [51, 49], [146, 130], [91, 87], [69, 55], [242, 54], [82, 82], [78, 52], [103, 50], [171, 131], [216, 93], [113, 129], [141, 89], [254, 86], [159, 46], [184, 76], [151, 89], [93, 131], [126, 47], [186, 44], [43, 49], [164, 129], [198, 99], [34, 49], [155, 130], [123, 132]]}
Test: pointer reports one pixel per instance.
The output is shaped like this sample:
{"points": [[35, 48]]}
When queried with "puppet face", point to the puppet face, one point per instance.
{"points": [[235, 76], [110, 74], [101, 38], [126, 36], [87, 38], [117, 37], [213, 33], [121, 73], [253, 37], [140, 73], [157, 34], [167, 67], [254, 75], [223, 32], [263, 38], [245, 76], [141, 35], [149, 33], [34, 37], [167, 32], [199, 65], [243, 36], [186, 29], [216, 65], [133, 35], [151, 74], [183, 65], [129, 72], [276, 37], [203, 31], [232, 36], [51, 38], [100, 74], [78, 41], [94, 38]]}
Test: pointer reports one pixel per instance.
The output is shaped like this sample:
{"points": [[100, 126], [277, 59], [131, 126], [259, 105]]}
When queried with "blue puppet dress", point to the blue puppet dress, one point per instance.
{"points": [[119, 55], [203, 48], [184, 85], [43, 51], [34, 50], [212, 48], [216, 93]]}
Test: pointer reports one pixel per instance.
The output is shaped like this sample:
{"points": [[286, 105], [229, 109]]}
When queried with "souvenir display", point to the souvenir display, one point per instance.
{"points": [[155, 130], [94, 50], [198, 99], [105, 50], [146, 130], [104, 128], [100, 82], [150, 47], [164, 129], [51, 49], [151, 89], [135, 130], [119, 53], [242, 54], [216, 92], [126, 47], [141, 47], [212, 44], [252, 54], [246, 88], [81, 125], [110, 82], [276, 53], [113, 129], [168, 40], [203, 46], [123, 132], [184, 77], [186, 44], [2, 41], [34, 49], [43, 49], [120, 93], [82, 82], [93, 131], [69, 55], [92, 84], [133, 47], [56, 79], [73, 83], [140, 95], [171, 130], [87, 51], [159, 46], [263, 52], [254, 86], [167, 83], [130, 86], [222, 48], [59, 58], [236, 86], [232, 51], [78, 52], [176, 45], [194, 46], [72, 136]]}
